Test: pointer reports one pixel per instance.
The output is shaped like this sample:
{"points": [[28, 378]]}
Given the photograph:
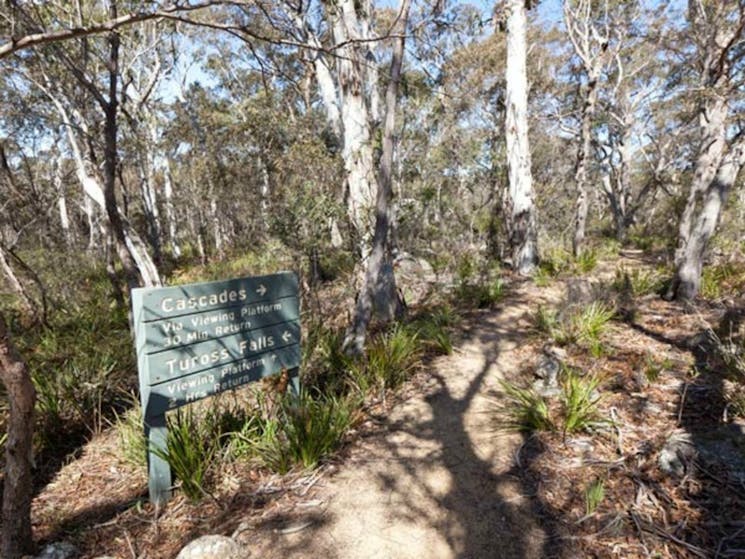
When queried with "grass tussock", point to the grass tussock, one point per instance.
{"points": [[575, 410]]}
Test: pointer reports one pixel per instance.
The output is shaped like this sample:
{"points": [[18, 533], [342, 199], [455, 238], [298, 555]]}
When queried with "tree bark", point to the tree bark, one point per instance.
{"points": [[18, 485], [580, 175], [357, 152], [713, 123], [522, 222], [379, 280], [687, 280], [170, 211]]}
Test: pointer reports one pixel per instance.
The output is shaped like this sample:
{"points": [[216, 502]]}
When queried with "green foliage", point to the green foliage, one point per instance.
{"points": [[591, 323], [433, 335], [334, 264], [718, 280], [586, 261], [525, 410], [392, 357], [555, 260], [304, 430], [81, 367], [640, 281], [594, 495], [315, 426], [654, 368], [132, 441], [480, 295], [542, 277], [327, 365], [580, 400], [190, 451], [546, 321], [584, 326]]}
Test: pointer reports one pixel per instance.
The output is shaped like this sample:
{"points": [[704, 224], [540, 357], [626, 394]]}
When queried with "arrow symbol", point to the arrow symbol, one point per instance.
{"points": [[274, 357], [286, 336], [261, 290]]}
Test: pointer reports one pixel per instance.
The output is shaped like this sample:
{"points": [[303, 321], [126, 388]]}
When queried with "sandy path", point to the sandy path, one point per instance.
{"points": [[438, 481]]}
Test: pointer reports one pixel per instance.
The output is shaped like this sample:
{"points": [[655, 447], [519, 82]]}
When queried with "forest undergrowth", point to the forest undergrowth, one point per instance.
{"points": [[627, 404]]}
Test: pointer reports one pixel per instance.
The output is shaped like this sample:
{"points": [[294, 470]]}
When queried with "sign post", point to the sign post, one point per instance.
{"points": [[197, 340]]}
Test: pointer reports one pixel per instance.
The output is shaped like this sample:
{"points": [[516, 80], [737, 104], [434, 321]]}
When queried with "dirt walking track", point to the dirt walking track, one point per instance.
{"points": [[439, 481]]}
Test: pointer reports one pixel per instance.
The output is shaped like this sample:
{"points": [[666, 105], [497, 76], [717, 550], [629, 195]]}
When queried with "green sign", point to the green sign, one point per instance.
{"points": [[197, 340]]}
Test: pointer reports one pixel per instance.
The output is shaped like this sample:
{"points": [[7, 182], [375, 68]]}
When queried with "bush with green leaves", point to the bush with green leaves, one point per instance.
{"points": [[81, 366]]}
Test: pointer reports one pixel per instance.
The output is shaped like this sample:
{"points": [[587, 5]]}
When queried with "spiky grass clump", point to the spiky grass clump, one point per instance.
{"points": [[590, 324], [305, 429], [639, 281], [594, 495], [393, 357], [525, 410], [132, 441], [580, 399], [432, 329], [586, 261], [190, 451]]}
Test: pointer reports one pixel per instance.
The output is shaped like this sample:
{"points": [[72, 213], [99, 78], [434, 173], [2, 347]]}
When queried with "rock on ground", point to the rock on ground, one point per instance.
{"points": [[213, 547]]}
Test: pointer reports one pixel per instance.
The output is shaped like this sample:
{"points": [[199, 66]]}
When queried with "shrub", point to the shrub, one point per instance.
{"points": [[590, 324], [315, 427], [639, 281]]}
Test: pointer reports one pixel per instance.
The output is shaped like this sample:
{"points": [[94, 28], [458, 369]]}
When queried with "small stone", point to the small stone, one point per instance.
{"points": [[676, 455], [58, 550], [213, 547]]}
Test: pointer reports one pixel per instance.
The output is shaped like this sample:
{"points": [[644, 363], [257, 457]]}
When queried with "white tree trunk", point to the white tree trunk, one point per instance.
{"points": [[580, 175], [713, 124], [93, 189], [522, 224], [64, 217], [687, 279], [170, 211]]}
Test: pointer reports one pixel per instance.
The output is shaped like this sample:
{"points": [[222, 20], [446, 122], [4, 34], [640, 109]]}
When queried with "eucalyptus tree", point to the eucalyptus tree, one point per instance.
{"points": [[18, 488], [594, 33], [521, 211], [635, 112], [717, 56]]}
